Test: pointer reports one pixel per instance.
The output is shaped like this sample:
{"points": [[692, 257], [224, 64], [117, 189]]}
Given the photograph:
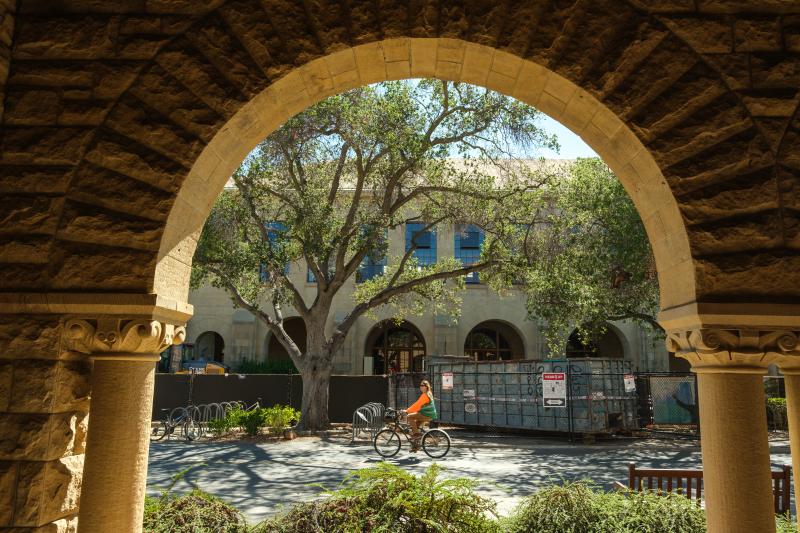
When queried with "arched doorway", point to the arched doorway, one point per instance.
{"points": [[396, 348], [296, 329], [494, 340], [608, 345], [209, 346]]}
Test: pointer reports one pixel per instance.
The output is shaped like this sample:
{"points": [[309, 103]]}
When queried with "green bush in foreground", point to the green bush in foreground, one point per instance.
{"points": [[583, 507], [194, 512], [388, 499]]}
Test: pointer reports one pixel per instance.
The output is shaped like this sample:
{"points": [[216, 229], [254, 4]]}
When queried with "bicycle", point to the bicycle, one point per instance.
{"points": [[188, 426], [434, 442]]}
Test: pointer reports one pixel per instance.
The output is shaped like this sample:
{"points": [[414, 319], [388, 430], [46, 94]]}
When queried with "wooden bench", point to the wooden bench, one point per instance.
{"points": [[781, 480]]}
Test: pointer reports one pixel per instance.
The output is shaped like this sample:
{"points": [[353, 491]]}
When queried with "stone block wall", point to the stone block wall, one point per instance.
{"points": [[45, 390]]}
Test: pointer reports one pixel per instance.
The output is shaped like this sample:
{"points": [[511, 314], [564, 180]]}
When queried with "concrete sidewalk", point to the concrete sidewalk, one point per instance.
{"points": [[257, 478]]}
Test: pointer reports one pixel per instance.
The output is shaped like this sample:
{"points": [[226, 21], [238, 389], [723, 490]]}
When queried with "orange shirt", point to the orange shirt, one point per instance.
{"points": [[419, 403]]}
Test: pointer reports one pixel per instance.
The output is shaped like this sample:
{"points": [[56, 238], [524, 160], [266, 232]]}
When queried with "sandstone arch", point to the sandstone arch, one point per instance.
{"points": [[120, 124]]}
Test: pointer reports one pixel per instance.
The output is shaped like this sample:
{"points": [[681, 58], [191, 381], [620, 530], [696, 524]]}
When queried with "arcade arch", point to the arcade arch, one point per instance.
{"points": [[494, 340], [392, 347], [608, 345], [111, 164], [210, 346], [295, 327]]}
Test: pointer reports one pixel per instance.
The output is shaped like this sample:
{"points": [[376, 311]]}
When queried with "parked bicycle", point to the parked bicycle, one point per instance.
{"points": [[187, 426], [434, 442]]}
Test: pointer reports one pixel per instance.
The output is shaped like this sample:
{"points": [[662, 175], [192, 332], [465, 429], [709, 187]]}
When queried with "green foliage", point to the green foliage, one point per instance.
{"points": [[776, 402], [325, 188], [386, 498], [786, 523], [220, 426], [281, 366], [279, 417], [590, 261], [252, 422], [194, 512], [583, 507]]}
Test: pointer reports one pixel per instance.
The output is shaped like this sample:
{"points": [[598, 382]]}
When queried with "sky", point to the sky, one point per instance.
{"points": [[572, 146]]}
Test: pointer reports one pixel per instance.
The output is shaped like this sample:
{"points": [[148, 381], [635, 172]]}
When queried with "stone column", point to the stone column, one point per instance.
{"points": [[730, 364], [117, 447]]}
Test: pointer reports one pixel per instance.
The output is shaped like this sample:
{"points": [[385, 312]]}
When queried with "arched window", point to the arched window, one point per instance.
{"points": [[397, 349], [486, 344], [608, 345]]}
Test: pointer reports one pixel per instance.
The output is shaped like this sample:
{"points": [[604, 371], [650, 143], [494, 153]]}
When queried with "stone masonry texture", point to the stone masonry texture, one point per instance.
{"points": [[107, 107]]}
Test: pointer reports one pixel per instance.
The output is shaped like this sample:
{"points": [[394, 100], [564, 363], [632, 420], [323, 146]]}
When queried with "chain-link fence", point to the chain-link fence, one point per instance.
{"points": [[602, 398], [668, 404], [539, 399]]}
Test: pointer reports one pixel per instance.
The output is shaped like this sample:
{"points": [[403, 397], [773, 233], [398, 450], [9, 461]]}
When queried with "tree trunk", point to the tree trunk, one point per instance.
{"points": [[316, 374]]}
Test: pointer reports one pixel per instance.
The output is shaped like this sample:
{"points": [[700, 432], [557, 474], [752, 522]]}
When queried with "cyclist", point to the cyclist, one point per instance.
{"points": [[422, 411]]}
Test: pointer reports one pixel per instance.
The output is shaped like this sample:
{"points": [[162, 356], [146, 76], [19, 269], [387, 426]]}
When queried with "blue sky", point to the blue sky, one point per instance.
{"points": [[572, 146]]}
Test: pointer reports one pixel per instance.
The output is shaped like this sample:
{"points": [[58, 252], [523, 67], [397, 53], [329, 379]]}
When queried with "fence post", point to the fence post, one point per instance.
{"points": [[569, 399]]}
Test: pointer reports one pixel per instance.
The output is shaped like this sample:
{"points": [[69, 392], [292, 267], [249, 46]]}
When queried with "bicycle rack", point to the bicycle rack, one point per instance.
{"points": [[202, 414], [368, 419]]}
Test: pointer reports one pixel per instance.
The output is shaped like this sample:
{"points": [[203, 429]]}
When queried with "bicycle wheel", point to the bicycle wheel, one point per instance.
{"points": [[387, 443], [191, 430], [436, 443], [159, 432]]}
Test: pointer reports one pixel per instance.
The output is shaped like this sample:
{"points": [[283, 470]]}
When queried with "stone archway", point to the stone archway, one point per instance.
{"points": [[296, 329], [494, 340], [120, 128], [210, 346]]}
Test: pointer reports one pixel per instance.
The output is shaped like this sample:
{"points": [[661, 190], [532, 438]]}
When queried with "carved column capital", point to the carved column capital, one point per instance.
{"points": [[716, 350], [120, 338]]}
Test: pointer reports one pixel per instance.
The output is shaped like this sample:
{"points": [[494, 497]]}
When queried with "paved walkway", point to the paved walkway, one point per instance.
{"points": [[257, 478]]}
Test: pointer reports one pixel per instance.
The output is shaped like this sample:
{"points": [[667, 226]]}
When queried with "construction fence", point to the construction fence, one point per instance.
{"points": [[602, 398]]}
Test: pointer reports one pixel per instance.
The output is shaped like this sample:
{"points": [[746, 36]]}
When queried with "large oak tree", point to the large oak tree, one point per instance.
{"points": [[325, 188]]}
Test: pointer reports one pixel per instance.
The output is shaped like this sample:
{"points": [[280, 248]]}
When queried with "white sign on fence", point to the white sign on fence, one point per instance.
{"points": [[554, 390], [630, 384], [447, 380], [470, 407], [469, 393]]}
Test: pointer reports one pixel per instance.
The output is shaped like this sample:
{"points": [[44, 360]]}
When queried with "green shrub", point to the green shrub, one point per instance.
{"points": [[387, 498], [194, 512], [786, 523], [281, 366], [583, 507], [219, 426], [775, 402], [279, 417], [275, 418]]}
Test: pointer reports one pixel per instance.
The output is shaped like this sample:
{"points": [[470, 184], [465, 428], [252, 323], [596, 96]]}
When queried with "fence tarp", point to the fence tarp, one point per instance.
{"points": [[347, 393]]}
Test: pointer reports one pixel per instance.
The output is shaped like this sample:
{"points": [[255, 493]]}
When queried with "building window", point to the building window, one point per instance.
{"points": [[426, 243], [272, 234], [374, 263], [398, 349], [469, 240], [487, 344], [313, 279]]}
